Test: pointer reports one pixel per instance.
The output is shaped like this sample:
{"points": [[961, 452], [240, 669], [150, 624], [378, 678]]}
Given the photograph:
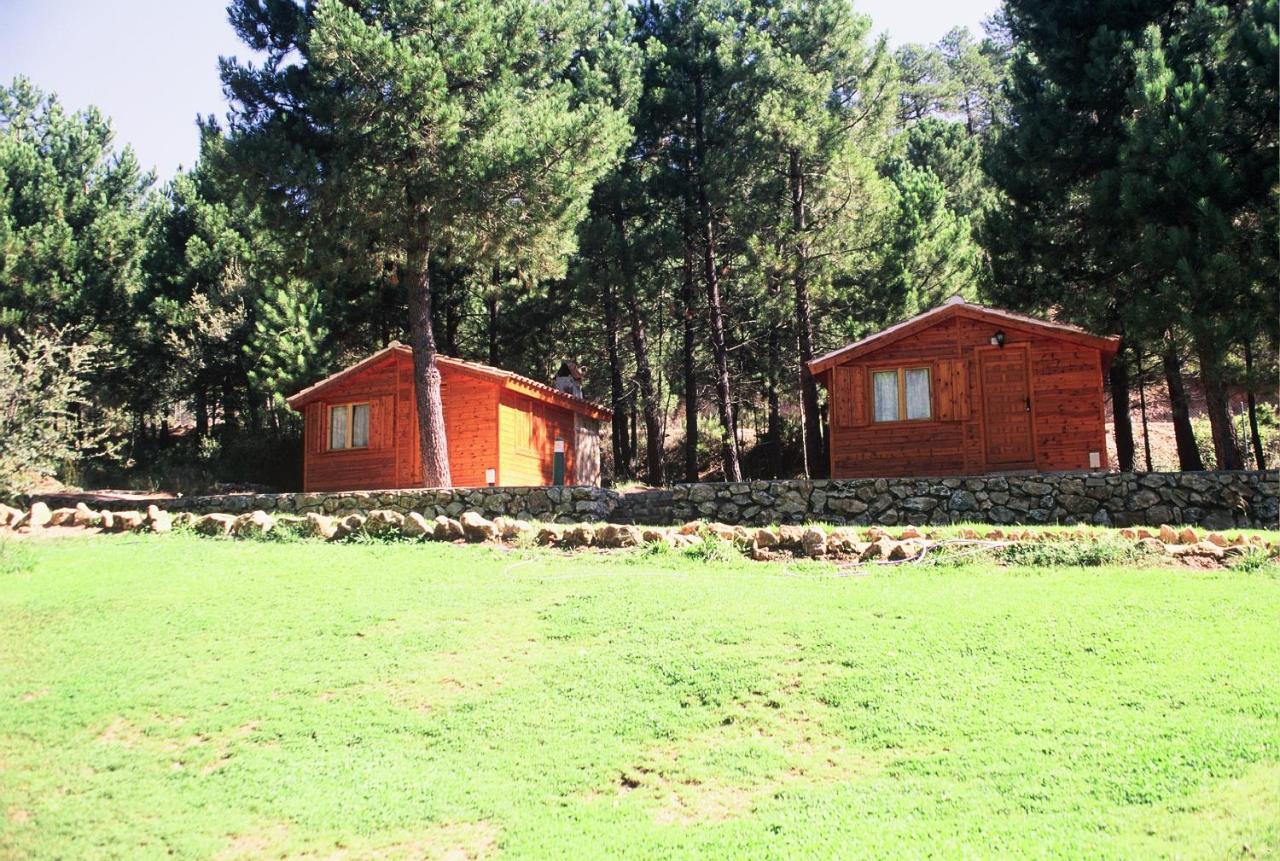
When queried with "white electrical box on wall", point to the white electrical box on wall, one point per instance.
{"points": [[1095, 460]]}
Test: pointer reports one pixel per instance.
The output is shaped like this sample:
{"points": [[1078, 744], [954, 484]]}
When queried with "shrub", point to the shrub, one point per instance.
{"points": [[713, 549], [1256, 561], [1059, 554], [44, 424]]}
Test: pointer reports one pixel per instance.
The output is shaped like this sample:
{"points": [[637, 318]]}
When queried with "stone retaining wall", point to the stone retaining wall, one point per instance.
{"points": [[1213, 500], [559, 504]]}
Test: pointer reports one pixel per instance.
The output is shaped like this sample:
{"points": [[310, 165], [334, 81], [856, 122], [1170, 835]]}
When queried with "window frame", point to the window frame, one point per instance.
{"points": [[350, 409], [901, 371]]}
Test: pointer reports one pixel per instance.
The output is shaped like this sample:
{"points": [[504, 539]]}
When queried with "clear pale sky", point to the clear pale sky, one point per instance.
{"points": [[152, 65]]}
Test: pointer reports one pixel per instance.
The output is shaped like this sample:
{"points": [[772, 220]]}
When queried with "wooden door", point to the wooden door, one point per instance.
{"points": [[1006, 406], [586, 451]]}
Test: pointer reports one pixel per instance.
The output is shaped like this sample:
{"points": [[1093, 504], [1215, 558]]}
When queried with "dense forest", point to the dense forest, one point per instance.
{"points": [[691, 198]]}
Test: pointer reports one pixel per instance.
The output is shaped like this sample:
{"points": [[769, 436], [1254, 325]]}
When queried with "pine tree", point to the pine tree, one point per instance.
{"points": [[473, 130]]}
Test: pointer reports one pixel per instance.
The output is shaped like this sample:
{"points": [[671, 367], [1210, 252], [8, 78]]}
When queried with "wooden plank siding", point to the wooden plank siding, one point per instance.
{"points": [[1063, 380], [487, 424], [528, 430]]}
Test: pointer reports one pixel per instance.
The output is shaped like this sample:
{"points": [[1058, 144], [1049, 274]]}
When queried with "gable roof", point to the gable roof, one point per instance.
{"points": [[957, 307], [506, 379]]}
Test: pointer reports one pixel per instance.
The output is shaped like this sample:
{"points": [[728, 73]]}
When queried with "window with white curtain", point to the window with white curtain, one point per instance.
{"points": [[885, 384], [348, 426], [918, 400], [902, 393]]}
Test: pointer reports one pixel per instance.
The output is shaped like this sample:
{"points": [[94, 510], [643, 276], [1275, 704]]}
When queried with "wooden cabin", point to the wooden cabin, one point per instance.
{"points": [[963, 390], [361, 427]]}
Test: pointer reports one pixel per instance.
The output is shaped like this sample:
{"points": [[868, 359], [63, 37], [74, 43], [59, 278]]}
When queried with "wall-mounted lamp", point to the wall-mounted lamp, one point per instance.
{"points": [[997, 340]]}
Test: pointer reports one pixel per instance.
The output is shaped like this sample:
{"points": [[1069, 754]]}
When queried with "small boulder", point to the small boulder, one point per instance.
{"points": [[318, 526], [842, 541], [159, 521], [1168, 534], [878, 549], [61, 516], [9, 515], [764, 538], [609, 535], [84, 517], [612, 535], [416, 526], [683, 540], [791, 537], [579, 535], [37, 517], [127, 521], [909, 533], [653, 535], [382, 522], [813, 542], [254, 524], [107, 520], [549, 535], [1152, 545], [1188, 536], [693, 527], [475, 528], [447, 529], [903, 550], [511, 529], [723, 531], [1216, 538], [348, 526]]}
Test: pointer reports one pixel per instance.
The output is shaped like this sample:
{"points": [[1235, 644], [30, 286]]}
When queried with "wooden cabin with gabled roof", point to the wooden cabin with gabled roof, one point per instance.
{"points": [[962, 390], [361, 427]]}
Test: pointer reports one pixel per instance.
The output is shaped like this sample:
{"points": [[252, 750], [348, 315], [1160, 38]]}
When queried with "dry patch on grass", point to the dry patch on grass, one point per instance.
{"points": [[211, 751], [488, 654], [450, 841], [1237, 818], [760, 748]]}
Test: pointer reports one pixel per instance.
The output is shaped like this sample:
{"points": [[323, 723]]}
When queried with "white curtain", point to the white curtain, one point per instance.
{"points": [[359, 425], [885, 396], [918, 393], [338, 427]]}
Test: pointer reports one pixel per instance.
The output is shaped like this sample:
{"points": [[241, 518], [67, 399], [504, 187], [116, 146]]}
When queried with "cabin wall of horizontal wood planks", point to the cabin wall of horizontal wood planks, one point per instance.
{"points": [[972, 426]]}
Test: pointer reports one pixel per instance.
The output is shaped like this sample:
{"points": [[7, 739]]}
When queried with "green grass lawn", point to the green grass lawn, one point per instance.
{"points": [[174, 697]]}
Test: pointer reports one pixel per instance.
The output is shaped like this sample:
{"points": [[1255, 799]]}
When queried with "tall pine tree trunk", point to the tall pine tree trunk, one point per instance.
{"points": [[1258, 455], [814, 462], [711, 276], [688, 299], [1217, 404], [491, 307], [202, 412], [1188, 452], [1120, 410], [772, 436], [1142, 406], [655, 444], [426, 376], [621, 452]]}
